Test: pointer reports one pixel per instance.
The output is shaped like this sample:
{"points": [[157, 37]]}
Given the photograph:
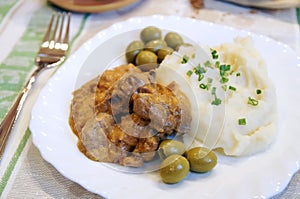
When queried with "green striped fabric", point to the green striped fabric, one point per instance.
{"points": [[15, 69], [5, 7], [20, 61]]}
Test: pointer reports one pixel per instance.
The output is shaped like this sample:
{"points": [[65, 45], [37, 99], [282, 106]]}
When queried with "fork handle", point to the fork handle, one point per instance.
{"points": [[10, 118]]}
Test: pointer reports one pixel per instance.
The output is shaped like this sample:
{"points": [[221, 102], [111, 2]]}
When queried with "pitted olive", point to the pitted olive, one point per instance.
{"points": [[145, 57], [150, 33], [173, 39], [162, 53], [174, 169], [133, 49], [169, 147], [201, 159], [155, 45]]}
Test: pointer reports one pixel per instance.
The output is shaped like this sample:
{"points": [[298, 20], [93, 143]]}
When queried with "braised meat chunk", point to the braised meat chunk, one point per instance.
{"points": [[122, 116]]}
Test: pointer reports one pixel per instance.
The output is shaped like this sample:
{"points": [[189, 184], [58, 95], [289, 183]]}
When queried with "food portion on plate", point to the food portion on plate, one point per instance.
{"points": [[235, 80], [177, 103], [121, 117]]}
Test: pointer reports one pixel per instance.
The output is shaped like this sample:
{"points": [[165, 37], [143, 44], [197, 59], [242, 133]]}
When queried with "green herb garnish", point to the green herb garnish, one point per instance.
{"points": [[232, 88], [189, 73], [224, 87], [200, 77], [199, 70], [224, 80], [203, 86], [185, 59], [252, 101], [208, 64], [214, 54], [225, 67], [217, 101], [242, 121], [258, 91], [217, 64]]}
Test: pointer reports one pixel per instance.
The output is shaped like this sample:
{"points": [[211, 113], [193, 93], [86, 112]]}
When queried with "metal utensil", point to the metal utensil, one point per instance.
{"points": [[52, 53]]}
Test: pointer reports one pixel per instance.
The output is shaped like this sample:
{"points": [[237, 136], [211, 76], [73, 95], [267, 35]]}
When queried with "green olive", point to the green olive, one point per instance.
{"points": [[145, 57], [155, 45], [150, 33], [169, 147], [133, 49], [162, 53], [173, 39], [174, 168], [201, 159]]}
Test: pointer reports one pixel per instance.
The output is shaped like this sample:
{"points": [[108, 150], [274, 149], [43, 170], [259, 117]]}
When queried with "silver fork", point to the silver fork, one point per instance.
{"points": [[52, 53]]}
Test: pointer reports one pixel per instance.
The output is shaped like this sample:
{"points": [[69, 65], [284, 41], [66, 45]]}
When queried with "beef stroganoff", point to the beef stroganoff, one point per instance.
{"points": [[208, 99]]}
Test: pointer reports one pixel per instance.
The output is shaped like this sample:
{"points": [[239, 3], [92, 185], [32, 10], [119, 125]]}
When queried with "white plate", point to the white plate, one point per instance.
{"points": [[258, 176]]}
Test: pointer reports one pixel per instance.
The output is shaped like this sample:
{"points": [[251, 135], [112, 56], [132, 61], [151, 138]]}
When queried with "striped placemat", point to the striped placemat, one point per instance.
{"points": [[17, 66]]}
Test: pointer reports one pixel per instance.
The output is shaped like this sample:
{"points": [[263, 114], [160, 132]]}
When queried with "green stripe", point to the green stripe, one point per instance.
{"points": [[85, 17], [27, 134], [20, 61], [5, 7], [13, 161]]}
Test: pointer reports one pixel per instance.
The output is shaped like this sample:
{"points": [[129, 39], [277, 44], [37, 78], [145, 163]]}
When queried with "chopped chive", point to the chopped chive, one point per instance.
{"points": [[185, 59], [209, 80], [258, 91], [200, 77], [189, 73], [224, 87], [214, 54], [225, 67], [217, 64], [199, 70], [203, 86], [208, 64], [222, 73], [208, 86], [213, 90], [217, 101], [252, 101], [242, 121], [238, 74], [224, 80], [232, 88]]}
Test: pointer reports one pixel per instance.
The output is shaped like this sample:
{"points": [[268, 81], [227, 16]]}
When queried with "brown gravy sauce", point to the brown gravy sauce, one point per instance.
{"points": [[127, 132]]}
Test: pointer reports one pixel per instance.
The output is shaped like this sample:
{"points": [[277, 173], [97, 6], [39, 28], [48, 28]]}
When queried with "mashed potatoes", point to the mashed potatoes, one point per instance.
{"points": [[233, 98]]}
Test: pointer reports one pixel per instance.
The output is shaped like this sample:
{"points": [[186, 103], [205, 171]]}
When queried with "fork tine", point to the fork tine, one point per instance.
{"points": [[61, 27], [55, 27], [66, 38], [53, 48], [46, 37]]}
